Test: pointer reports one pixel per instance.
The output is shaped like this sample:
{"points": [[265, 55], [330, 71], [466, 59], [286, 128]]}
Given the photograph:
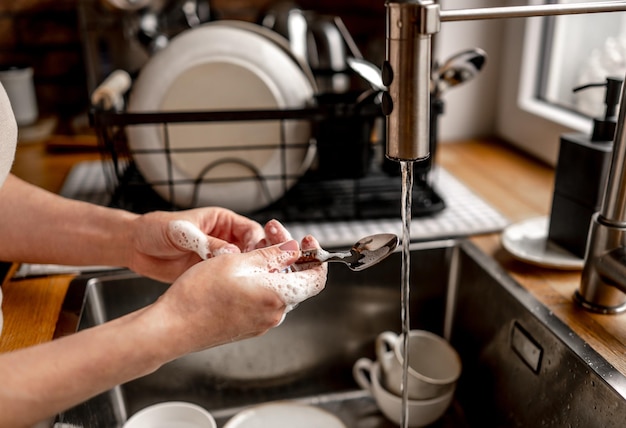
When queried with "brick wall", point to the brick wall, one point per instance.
{"points": [[364, 18], [45, 34]]}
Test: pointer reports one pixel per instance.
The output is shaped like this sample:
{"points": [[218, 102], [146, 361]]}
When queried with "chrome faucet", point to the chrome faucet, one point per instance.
{"points": [[603, 284], [406, 72]]}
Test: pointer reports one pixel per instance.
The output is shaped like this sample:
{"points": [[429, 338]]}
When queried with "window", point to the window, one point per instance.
{"points": [[545, 58]]}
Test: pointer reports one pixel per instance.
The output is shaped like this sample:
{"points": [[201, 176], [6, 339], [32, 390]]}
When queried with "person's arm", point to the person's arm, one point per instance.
{"points": [[41, 381], [227, 298], [38, 226]]}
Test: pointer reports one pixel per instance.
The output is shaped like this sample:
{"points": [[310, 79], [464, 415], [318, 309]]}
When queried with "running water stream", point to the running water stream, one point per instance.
{"points": [[407, 193]]}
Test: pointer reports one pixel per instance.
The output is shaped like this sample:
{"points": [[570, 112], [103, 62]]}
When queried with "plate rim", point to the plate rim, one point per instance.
{"points": [[252, 411], [277, 38]]}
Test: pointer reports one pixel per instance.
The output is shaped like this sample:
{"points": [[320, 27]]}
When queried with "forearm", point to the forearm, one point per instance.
{"points": [[38, 227], [41, 381]]}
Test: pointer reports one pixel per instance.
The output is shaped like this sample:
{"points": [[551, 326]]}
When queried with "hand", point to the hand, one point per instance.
{"points": [[162, 249], [234, 296]]}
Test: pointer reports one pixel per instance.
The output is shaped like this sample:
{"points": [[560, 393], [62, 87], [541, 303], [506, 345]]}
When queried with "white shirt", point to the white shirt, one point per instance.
{"points": [[8, 135], [8, 140]]}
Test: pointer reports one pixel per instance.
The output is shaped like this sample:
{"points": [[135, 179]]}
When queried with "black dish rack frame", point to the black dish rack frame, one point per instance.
{"points": [[349, 179]]}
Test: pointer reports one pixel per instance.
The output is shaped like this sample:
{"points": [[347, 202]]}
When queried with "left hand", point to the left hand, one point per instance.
{"points": [[157, 251]]}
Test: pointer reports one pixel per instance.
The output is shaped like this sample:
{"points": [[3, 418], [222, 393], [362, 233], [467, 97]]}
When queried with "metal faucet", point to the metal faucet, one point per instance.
{"points": [[603, 284], [406, 72]]}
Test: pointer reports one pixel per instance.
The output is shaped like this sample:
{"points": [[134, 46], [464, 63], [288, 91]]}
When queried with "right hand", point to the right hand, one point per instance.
{"points": [[234, 296]]}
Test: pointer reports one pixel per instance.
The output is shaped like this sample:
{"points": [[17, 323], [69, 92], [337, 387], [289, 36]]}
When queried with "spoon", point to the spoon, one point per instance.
{"points": [[368, 71], [365, 253], [458, 69]]}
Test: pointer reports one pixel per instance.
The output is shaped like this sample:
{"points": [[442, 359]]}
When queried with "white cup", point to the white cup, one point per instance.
{"points": [[172, 414], [434, 365], [18, 83], [420, 412]]}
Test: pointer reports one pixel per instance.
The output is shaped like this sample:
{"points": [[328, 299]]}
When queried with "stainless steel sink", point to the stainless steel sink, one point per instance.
{"points": [[521, 365]]}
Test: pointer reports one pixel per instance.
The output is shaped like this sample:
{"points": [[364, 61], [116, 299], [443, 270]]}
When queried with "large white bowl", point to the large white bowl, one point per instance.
{"points": [[172, 414], [421, 412]]}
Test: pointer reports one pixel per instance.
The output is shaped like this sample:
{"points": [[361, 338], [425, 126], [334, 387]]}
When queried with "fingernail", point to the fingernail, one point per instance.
{"points": [[272, 227], [289, 246], [308, 242]]}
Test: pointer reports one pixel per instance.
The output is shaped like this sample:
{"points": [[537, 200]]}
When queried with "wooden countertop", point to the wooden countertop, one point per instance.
{"points": [[32, 307], [521, 188], [517, 185]]}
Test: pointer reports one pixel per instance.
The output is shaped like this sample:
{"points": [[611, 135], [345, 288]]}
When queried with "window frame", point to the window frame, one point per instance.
{"points": [[523, 119]]}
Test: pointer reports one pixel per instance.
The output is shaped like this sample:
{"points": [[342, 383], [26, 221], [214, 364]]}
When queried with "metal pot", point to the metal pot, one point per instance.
{"points": [[315, 38]]}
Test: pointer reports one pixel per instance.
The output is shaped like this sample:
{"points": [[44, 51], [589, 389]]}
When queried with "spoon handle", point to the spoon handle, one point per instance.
{"points": [[319, 255]]}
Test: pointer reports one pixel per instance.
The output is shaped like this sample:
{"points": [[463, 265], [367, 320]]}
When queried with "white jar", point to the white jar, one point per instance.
{"points": [[18, 83]]}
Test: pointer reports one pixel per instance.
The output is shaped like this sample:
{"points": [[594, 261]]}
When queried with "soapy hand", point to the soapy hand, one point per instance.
{"points": [[235, 296], [188, 236], [303, 283], [165, 244]]}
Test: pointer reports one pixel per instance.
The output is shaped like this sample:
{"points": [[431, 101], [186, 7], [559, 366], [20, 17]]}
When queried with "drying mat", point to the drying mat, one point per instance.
{"points": [[465, 213]]}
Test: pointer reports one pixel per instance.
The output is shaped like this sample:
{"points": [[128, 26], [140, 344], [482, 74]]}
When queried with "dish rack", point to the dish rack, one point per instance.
{"points": [[349, 179]]}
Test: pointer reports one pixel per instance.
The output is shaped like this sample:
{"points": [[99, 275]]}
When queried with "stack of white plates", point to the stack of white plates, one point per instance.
{"points": [[224, 65]]}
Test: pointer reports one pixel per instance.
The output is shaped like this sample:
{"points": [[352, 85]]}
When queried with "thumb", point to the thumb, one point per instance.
{"points": [[188, 236], [216, 246], [276, 258]]}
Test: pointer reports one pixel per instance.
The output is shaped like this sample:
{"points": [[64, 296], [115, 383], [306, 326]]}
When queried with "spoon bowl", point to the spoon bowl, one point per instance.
{"points": [[366, 252]]}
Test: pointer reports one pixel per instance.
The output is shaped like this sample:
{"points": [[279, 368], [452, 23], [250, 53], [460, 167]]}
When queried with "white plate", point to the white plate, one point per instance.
{"points": [[277, 38], [528, 242], [222, 67], [284, 415]]}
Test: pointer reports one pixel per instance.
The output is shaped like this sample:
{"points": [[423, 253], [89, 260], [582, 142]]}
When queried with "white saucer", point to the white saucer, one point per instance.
{"points": [[528, 242], [284, 415]]}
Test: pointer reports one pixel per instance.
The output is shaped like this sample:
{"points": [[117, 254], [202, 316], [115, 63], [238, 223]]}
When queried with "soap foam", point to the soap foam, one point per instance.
{"points": [[188, 236], [292, 287], [295, 291]]}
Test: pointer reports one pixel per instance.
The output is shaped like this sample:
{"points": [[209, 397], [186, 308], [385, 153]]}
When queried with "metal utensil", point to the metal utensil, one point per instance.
{"points": [[368, 71], [365, 253], [459, 68]]}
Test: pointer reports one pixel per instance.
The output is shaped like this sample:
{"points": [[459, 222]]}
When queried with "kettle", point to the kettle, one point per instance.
{"points": [[316, 39]]}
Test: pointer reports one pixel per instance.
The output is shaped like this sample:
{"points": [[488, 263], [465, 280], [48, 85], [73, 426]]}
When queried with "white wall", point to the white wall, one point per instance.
{"points": [[532, 132], [470, 109]]}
